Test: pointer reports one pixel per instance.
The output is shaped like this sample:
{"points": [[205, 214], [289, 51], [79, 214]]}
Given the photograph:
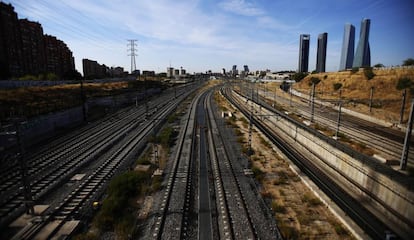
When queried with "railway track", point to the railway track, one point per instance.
{"points": [[261, 218], [386, 142], [374, 227], [49, 169], [93, 185], [234, 214], [170, 220]]}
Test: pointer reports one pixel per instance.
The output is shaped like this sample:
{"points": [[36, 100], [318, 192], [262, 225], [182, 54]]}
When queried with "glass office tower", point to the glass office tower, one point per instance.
{"points": [[321, 52], [363, 53], [304, 53], [348, 45]]}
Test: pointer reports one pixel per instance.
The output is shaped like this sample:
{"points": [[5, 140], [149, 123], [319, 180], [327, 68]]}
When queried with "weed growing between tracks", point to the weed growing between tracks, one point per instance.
{"points": [[118, 213], [299, 214]]}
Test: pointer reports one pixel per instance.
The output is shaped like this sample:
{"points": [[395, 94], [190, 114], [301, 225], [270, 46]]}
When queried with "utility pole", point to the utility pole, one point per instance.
{"points": [[83, 100], [132, 52], [27, 190], [313, 102], [371, 96], [339, 120], [250, 125], [404, 156], [403, 105]]}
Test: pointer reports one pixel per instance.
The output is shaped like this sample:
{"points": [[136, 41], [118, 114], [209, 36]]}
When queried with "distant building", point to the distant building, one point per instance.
{"points": [[33, 47], [146, 73], [117, 71], [176, 72], [25, 50], [183, 72], [348, 45], [304, 53], [170, 72], [363, 53], [59, 58], [246, 69], [10, 42], [93, 70], [223, 71], [321, 52], [234, 71]]}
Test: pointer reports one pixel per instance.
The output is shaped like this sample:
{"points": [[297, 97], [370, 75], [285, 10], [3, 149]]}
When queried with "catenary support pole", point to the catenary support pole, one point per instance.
{"points": [[404, 156]]}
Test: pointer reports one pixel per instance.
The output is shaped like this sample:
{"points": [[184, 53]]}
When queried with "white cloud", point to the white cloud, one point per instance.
{"points": [[241, 7]]}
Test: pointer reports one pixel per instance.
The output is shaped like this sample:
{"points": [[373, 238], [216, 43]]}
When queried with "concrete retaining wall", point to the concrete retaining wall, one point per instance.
{"points": [[369, 181]]}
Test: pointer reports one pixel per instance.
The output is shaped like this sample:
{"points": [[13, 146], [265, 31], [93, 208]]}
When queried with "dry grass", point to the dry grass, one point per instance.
{"points": [[356, 90], [299, 214], [32, 101]]}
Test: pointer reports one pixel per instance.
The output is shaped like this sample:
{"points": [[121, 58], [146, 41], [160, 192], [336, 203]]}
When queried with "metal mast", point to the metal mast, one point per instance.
{"points": [[132, 52]]}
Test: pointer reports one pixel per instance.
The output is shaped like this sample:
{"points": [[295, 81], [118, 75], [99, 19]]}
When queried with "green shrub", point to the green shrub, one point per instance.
{"points": [[288, 232], [354, 70], [339, 229], [172, 118], [166, 137], [369, 74], [264, 142], [120, 189], [337, 86], [278, 208], [28, 77], [310, 200], [258, 174]]}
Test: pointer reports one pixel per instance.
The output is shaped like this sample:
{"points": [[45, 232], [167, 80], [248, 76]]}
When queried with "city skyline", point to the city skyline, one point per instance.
{"points": [[362, 57], [348, 47], [203, 35], [321, 52], [304, 43]]}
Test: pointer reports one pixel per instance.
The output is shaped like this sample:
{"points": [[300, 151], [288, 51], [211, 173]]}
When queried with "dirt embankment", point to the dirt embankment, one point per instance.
{"points": [[356, 90]]}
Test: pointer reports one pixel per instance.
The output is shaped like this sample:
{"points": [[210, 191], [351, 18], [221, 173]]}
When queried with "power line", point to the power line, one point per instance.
{"points": [[132, 52]]}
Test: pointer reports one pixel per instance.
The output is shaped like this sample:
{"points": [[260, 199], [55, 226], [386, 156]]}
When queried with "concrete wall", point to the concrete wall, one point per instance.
{"points": [[378, 186]]}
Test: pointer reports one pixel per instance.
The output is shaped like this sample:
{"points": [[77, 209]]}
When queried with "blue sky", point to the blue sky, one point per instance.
{"points": [[202, 35]]}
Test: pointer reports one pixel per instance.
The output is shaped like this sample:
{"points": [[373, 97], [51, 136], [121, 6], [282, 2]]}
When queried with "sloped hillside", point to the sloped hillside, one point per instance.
{"points": [[356, 90]]}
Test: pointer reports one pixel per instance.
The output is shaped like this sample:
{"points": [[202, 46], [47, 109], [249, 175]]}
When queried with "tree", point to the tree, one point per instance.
{"points": [[337, 86], [369, 74], [52, 77], [354, 70], [314, 80], [408, 62], [404, 83], [379, 65], [299, 76]]}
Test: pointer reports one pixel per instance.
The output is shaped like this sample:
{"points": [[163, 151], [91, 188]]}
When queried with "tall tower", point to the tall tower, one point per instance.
{"points": [[321, 52], [132, 52], [348, 46], [304, 52], [363, 53]]}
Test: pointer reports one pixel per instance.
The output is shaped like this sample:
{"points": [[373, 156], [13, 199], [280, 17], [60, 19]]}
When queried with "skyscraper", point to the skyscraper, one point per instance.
{"points": [[321, 52], [348, 45], [304, 53], [363, 53]]}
